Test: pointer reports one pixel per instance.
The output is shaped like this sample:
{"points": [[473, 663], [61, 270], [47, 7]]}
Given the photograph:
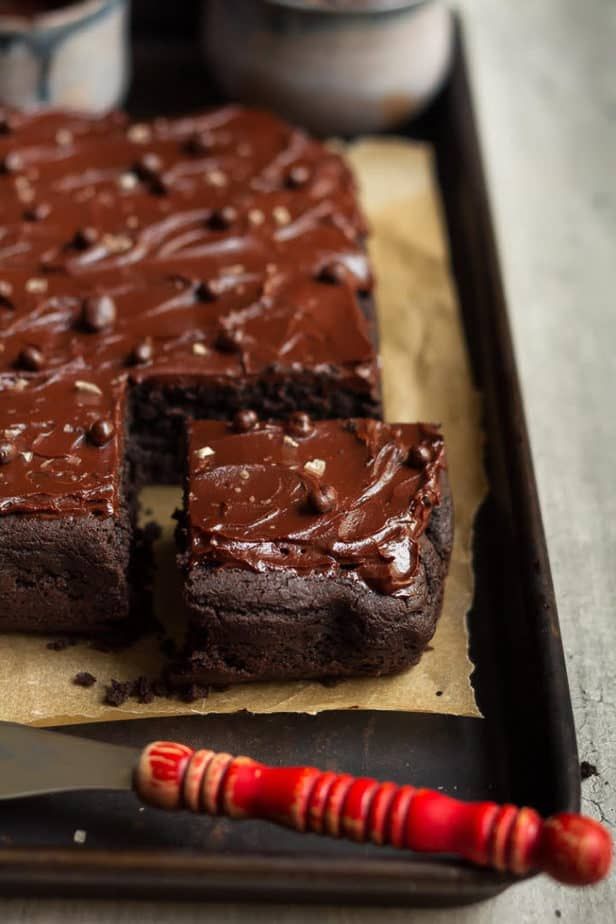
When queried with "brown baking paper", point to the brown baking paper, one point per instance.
{"points": [[426, 377]]}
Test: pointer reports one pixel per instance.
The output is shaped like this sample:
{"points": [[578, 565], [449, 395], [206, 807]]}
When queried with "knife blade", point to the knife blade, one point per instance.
{"points": [[34, 761]]}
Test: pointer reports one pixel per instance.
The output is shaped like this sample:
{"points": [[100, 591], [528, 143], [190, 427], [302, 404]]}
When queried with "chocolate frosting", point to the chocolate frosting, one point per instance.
{"points": [[194, 250], [56, 467], [350, 497]]}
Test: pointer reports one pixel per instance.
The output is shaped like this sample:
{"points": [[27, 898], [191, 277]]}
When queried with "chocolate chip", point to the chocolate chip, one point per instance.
{"points": [[148, 166], [158, 186], [208, 290], [85, 238], [98, 313], [142, 353], [12, 163], [229, 341], [31, 359], [37, 212], [333, 273], [297, 176], [419, 455], [323, 498], [245, 420], [100, 432], [84, 679], [6, 290], [148, 169], [223, 218], [199, 143], [8, 452], [6, 125], [300, 424]]}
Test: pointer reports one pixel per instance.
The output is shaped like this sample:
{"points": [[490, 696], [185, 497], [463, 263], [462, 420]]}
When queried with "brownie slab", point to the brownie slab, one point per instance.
{"points": [[312, 549], [183, 268], [66, 528], [215, 261]]}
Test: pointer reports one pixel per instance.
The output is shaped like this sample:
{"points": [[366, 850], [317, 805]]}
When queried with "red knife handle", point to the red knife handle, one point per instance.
{"points": [[569, 847]]}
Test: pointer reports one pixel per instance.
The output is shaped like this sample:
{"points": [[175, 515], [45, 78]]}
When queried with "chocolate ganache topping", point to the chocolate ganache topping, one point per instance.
{"points": [[56, 466], [200, 249], [348, 496]]}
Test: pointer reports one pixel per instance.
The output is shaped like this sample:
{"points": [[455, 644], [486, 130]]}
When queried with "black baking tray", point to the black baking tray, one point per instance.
{"points": [[523, 751]]}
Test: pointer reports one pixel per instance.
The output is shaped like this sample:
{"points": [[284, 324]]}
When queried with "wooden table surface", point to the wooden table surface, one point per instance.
{"points": [[545, 83]]}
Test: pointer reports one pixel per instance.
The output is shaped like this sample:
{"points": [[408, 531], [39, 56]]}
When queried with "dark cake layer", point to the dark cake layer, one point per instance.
{"points": [[312, 549], [64, 574]]}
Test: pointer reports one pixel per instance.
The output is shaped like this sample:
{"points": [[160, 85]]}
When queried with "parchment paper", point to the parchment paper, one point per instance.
{"points": [[426, 377]]}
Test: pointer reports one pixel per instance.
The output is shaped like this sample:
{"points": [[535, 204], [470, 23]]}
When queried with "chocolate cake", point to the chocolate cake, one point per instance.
{"points": [[66, 517], [228, 249], [177, 268], [312, 549]]}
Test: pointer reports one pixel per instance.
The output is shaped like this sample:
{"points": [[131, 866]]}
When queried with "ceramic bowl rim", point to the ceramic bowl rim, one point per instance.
{"points": [[371, 9]]}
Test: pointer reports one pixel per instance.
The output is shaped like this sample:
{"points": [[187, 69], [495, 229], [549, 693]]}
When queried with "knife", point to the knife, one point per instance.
{"points": [[569, 847]]}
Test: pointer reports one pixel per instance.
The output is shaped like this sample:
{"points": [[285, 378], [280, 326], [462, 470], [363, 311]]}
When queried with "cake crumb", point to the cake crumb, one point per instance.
{"points": [[587, 770], [142, 690], [116, 693]]}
